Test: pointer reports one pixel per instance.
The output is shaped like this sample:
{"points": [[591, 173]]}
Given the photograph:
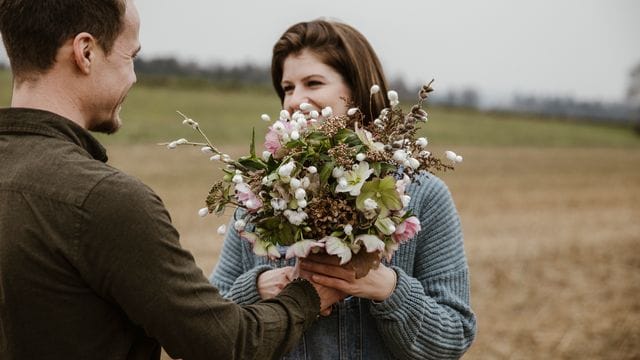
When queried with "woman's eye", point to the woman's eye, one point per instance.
{"points": [[314, 83], [287, 88]]}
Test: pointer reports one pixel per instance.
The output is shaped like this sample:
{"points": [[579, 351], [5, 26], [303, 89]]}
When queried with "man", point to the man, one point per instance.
{"points": [[90, 265]]}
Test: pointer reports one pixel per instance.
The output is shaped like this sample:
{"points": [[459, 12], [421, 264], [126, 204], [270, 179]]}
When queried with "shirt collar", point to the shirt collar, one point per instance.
{"points": [[34, 121]]}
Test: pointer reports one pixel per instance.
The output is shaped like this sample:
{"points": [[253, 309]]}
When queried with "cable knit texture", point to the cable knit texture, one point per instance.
{"points": [[428, 316]]}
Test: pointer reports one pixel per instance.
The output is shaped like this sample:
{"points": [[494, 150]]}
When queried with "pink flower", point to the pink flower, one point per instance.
{"points": [[272, 141], [407, 229], [247, 197]]}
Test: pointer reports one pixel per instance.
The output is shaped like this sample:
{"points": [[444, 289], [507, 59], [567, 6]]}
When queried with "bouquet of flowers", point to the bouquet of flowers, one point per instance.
{"points": [[327, 183]]}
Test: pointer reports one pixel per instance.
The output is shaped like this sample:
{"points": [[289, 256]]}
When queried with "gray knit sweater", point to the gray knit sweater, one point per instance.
{"points": [[428, 316]]}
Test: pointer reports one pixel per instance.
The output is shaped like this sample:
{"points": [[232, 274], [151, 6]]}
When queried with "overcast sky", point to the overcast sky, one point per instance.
{"points": [[580, 48]]}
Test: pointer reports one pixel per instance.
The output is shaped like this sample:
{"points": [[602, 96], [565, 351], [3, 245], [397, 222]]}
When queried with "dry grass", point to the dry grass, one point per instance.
{"points": [[552, 237]]}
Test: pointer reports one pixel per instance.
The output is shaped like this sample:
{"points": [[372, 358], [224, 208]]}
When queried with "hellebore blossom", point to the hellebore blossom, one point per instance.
{"points": [[384, 192], [371, 242], [302, 248], [407, 229], [335, 246], [355, 179]]}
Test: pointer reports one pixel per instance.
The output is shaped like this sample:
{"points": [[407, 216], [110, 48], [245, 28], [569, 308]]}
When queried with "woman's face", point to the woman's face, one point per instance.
{"points": [[305, 79]]}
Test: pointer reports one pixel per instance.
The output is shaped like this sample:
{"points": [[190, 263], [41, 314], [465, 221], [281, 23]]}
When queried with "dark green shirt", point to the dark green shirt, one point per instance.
{"points": [[91, 267]]}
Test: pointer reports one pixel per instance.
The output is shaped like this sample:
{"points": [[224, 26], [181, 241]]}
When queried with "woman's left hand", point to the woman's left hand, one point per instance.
{"points": [[377, 285]]}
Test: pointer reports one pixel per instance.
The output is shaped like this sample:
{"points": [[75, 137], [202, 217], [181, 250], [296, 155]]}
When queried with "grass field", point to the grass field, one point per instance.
{"points": [[549, 209]]}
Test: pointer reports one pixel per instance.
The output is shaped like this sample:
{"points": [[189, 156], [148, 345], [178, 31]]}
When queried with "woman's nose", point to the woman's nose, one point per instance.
{"points": [[295, 99]]}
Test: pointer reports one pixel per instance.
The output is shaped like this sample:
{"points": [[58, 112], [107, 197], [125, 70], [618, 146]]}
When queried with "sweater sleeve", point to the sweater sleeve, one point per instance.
{"points": [[129, 254], [428, 316], [236, 275]]}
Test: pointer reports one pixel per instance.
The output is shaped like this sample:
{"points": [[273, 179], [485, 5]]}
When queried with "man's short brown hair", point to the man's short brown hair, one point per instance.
{"points": [[34, 30]]}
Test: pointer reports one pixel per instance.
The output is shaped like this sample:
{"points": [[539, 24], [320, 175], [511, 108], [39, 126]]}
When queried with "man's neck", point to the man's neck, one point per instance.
{"points": [[44, 94]]}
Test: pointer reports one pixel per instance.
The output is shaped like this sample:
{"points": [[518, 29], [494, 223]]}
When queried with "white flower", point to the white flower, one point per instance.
{"points": [[239, 225], [422, 142], [355, 179], [327, 112], [335, 246], [367, 139], [306, 106], [314, 114], [278, 204], [453, 156], [342, 181], [405, 200], [370, 204], [371, 242], [222, 229], [375, 89], [414, 163], [278, 126], [337, 172], [266, 155], [286, 169], [300, 193], [400, 155], [203, 212], [295, 217], [237, 179], [295, 135], [295, 183], [361, 157], [215, 157], [392, 95], [284, 115], [348, 229], [265, 117], [305, 182], [312, 169], [302, 248], [352, 111]]}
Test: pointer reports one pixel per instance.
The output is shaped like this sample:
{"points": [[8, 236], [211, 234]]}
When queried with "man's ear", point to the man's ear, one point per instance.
{"points": [[84, 51]]}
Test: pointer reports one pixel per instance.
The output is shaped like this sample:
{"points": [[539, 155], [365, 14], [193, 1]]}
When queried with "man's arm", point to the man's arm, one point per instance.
{"points": [[129, 254]]}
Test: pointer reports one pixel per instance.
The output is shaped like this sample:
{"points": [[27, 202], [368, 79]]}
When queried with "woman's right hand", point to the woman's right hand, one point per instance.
{"points": [[271, 282]]}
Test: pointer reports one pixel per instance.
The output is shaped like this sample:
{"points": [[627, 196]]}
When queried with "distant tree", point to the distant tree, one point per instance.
{"points": [[633, 91]]}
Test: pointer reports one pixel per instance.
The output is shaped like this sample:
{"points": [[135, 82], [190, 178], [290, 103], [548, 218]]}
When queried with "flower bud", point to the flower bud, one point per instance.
{"points": [[172, 145], [361, 157], [302, 203], [206, 150], [375, 89], [237, 179], [348, 229], [265, 117], [203, 212], [222, 229], [306, 106], [295, 135], [392, 95], [266, 155], [337, 172], [215, 157], [300, 193], [352, 111], [414, 163], [181, 141], [239, 225], [312, 169], [399, 155], [422, 142], [327, 112], [314, 114], [284, 115], [295, 183]]}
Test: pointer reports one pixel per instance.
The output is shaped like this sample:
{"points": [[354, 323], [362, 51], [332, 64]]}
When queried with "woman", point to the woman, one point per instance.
{"points": [[416, 305]]}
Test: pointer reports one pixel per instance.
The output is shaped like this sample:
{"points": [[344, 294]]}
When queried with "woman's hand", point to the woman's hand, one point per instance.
{"points": [[271, 282], [377, 285]]}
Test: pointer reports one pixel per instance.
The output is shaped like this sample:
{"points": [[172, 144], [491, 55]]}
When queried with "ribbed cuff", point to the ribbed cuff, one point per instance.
{"points": [[245, 288], [401, 298]]}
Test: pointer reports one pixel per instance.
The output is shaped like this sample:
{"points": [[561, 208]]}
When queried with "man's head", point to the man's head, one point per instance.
{"points": [[86, 47], [34, 30]]}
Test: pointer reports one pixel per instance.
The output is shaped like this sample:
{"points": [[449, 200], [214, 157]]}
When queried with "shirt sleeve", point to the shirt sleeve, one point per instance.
{"points": [[236, 275], [130, 255], [428, 316]]}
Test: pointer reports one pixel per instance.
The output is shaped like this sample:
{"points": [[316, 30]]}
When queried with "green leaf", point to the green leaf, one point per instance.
{"points": [[252, 163], [252, 147], [326, 171]]}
